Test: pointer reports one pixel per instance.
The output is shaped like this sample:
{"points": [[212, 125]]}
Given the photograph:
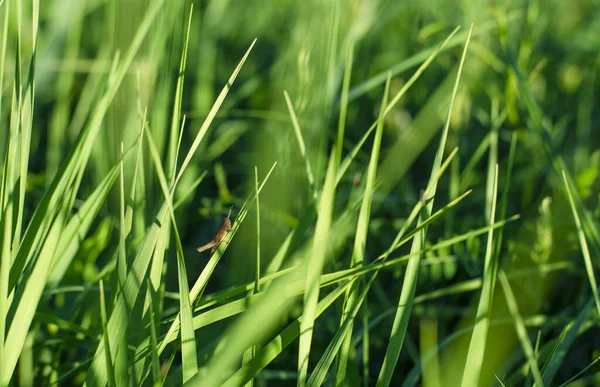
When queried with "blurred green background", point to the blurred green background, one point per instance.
{"points": [[301, 48]]}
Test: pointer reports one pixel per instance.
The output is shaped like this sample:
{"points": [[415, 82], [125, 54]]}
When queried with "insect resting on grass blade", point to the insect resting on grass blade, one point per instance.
{"points": [[221, 233]]}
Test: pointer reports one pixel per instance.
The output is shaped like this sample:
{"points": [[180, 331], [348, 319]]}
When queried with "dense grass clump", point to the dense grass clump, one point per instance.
{"points": [[413, 189]]}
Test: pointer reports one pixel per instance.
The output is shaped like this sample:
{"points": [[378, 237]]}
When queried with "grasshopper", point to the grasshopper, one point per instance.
{"points": [[221, 233]]}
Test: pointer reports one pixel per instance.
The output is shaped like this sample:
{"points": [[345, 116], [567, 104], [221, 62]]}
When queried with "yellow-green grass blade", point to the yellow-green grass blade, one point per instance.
{"points": [[344, 103], [318, 376], [587, 259], [314, 270], [3, 49], [257, 274], [475, 354], [27, 107], [103, 319], [122, 253], [7, 213], [188, 340], [360, 240], [513, 308], [300, 139], [407, 293], [175, 135], [211, 115], [153, 340]]}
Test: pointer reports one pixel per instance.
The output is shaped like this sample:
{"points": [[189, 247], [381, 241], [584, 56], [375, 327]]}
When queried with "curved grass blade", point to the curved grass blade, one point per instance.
{"points": [[511, 302], [587, 259], [300, 139]]}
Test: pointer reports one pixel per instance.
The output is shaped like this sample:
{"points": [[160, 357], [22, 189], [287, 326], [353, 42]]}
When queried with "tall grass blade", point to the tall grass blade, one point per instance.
{"points": [[315, 268]]}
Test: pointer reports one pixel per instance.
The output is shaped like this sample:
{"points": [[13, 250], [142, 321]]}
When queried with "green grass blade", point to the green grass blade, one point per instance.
{"points": [[339, 145], [300, 139], [30, 292], [315, 268], [476, 351], [175, 135], [257, 278], [587, 259], [108, 358], [511, 302], [153, 341], [211, 114]]}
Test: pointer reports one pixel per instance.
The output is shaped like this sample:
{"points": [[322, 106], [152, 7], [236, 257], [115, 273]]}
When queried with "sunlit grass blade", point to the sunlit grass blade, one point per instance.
{"points": [[251, 352], [520, 327], [211, 115], [474, 362], [315, 268], [360, 240], [410, 279], [153, 340], [6, 216], [175, 135], [103, 318], [188, 339], [339, 145], [300, 139], [587, 259], [27, 110]]}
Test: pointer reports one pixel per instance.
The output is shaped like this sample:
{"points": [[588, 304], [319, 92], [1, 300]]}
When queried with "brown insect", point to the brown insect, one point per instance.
{"points": [[221, 233]]}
